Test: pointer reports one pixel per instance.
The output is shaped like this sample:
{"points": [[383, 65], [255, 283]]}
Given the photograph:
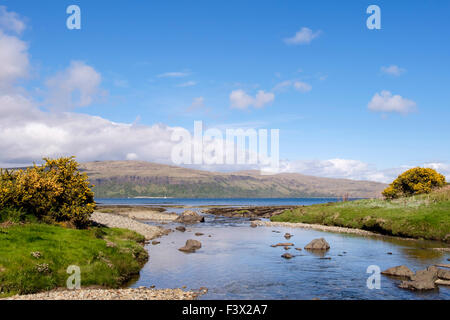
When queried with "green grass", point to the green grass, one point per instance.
{"points": [[423, 216], [101, 265]]}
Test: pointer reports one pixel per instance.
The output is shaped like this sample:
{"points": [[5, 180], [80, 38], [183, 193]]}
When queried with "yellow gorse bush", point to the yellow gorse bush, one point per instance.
{"points": [[55, 192], [414, 181]]}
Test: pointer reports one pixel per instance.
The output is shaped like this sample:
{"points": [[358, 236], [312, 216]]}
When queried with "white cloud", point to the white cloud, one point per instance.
{"points": [[173, 75], [386, 102], [197, 103], [355, 169], [297, 85], [187, 84], [87, 137], [10, 21], [77, 86], [442, 168], [282, 86], [132, 156], [303, 36], [241, 100], [336, 168], [302, 86], [393, 70], [14, 61]]}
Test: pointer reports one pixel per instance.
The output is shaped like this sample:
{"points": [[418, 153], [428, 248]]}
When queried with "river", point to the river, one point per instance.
{"points": [[237, 261]]}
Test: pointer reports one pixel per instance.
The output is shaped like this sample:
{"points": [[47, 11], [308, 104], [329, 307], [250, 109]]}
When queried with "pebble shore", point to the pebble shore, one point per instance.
{"points": [[118, 221], [315, 227], [111, 294], [144, 214]]}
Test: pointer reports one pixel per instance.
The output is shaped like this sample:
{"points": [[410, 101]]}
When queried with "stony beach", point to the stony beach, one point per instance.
{"points": [[111, 294], [143, 213], [317, 227], [118, 221]]}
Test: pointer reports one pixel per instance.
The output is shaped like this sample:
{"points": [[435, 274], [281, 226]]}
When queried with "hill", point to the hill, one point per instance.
{"points": [[117, 179]]}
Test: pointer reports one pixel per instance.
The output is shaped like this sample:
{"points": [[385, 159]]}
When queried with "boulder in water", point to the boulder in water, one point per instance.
{"points": [[318, 244], [191, 246], [190, 216], [422, 280], [399, 271]]}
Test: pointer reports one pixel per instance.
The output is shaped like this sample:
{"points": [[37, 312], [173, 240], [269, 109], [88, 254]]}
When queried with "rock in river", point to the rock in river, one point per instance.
{"points": [[422, 280], [181, 228], [191, 246], [318, 244], [287, 236], [284, 244], [190, 216], [443, 274], [287, 256], [399, 271]]}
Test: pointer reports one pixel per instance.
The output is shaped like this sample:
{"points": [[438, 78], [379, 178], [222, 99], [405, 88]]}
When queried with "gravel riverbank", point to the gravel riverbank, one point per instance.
{"points": [[140, 212], [118, 221], [316, 227], [111, 294]]}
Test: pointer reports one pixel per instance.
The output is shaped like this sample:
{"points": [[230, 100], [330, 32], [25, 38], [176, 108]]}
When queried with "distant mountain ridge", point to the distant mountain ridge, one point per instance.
{"points": [[123, 179]]}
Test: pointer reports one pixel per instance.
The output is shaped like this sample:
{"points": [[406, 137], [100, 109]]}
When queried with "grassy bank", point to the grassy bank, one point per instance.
{"points": [[107, 257], [423, 216]]}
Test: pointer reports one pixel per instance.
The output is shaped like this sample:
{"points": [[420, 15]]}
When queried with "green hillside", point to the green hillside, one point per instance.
{"points": [[118, 179]]}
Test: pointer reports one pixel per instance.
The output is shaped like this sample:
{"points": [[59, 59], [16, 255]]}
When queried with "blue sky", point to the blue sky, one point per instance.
{"points": [[156, 58]]}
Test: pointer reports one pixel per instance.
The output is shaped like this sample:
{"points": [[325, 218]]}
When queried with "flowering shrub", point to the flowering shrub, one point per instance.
{"points": [[54, 192], [414, 181]]}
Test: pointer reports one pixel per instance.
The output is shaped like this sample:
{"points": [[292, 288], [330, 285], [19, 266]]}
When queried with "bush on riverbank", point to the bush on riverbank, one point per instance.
{"points": [[414, 181], [34, 257], [424, 216], [54, 192]]}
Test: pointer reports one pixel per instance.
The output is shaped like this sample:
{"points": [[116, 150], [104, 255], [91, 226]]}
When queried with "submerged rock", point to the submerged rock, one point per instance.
{"points": [[287, 235], [181, 229], [318, 244], [199, 234], [287, 256], [399, 271], [253, 224], [190, 216], [154, 242], [191, 246], [284, 244]]}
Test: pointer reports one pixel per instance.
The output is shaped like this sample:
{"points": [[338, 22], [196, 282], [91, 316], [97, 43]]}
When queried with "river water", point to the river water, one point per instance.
{"points": [[237, 261]]}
